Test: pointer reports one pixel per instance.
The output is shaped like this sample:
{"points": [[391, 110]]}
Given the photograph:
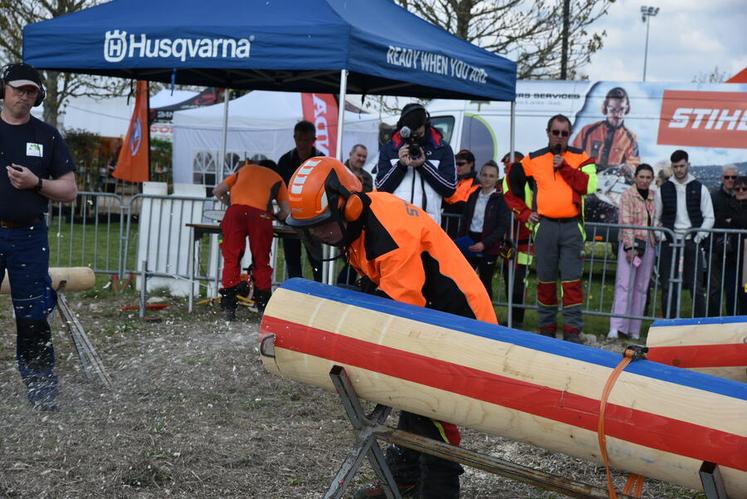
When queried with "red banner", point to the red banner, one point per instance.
{"points": [[321, 110], [134, 156], [704, 119]]}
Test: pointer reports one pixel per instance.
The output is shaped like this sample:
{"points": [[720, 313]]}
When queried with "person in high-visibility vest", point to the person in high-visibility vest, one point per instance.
{"points": [[467, 183], [563, 176], [521, 237]]}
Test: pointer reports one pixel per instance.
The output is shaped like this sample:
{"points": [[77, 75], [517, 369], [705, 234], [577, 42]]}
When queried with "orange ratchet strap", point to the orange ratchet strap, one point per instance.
{"points": [[635, 482]]}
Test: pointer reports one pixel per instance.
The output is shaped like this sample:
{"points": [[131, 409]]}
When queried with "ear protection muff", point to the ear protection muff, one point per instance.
{"points": [[409, 109], [6, 71], [353, 208]]}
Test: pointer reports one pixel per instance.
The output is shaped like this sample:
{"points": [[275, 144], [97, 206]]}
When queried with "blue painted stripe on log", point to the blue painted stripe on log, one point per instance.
{"points": [[684, 377]]}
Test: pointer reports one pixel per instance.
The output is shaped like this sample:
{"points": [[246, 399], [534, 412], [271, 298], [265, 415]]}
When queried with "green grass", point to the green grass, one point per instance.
{"points": [[99, 247]]}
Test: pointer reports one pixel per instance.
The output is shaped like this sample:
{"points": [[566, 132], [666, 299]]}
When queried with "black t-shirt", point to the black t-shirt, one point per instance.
{"points": [[289, 163], [39, 147]]}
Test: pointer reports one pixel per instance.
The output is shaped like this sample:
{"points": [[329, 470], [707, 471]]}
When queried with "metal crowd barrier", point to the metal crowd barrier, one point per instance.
{"points": [[103, 231]]}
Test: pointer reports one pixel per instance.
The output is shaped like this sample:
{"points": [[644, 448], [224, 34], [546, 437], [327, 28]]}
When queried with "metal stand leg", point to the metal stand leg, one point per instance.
{"points": [[366, 444], [713, 483]]}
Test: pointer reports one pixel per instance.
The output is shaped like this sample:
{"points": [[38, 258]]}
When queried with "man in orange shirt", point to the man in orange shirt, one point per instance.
{"points": [[563, 176], [409, 259], [252, 188]]}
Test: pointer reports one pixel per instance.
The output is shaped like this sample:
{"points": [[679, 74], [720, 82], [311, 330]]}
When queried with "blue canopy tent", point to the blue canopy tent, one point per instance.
{"points": [[328, 46], [271, 45]]}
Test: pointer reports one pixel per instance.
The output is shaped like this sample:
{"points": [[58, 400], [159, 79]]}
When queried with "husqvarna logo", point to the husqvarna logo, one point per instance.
{"points": [[115, 45], [119, 45]]}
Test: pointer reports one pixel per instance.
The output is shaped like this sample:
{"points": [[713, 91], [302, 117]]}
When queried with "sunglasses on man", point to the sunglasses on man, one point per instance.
{"points": [[561, 133], [730, 177]]}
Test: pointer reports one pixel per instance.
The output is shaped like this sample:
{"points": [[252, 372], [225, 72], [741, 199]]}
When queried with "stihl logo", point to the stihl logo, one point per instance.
{"points": [[703, 119], [709, 119]]}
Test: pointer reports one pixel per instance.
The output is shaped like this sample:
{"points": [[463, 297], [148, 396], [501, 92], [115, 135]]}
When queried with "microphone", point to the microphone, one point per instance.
{"points": [[557, 149], [405, 132]]}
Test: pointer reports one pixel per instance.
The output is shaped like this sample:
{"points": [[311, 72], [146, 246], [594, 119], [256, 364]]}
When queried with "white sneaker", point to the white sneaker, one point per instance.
{"points": [[612, 335]]}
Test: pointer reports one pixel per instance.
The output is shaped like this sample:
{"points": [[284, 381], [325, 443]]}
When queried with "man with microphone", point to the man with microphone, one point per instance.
{"points": [[563, 176]]}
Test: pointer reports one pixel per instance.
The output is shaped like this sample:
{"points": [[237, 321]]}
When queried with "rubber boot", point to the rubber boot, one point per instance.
{"points": [[548, 331], [228, 302], [572, 334]]}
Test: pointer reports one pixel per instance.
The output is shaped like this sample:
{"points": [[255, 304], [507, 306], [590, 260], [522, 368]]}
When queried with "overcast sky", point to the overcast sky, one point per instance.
{"points": [[687, 38]]}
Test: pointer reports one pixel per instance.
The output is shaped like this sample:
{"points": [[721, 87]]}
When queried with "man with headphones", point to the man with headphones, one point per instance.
{"points": [[609, 141], [37, 168], [417, 164], [407, 257]]}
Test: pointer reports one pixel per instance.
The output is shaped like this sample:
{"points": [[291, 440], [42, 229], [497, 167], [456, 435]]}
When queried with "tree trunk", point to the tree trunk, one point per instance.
{"points": [[52, 100]]}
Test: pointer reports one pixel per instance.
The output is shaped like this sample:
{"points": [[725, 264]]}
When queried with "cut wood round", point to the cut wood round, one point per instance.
{"points": [[76, 279], [661, 422]]}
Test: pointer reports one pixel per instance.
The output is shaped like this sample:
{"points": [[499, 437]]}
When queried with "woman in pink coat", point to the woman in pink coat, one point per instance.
{"points": [[636, 255]]}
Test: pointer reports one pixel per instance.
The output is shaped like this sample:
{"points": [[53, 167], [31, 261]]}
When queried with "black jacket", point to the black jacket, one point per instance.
{"points": [[495, 224]]}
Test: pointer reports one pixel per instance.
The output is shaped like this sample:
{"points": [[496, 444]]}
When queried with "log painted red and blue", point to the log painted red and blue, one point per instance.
{"points": [[661, 421], [716, 345]]}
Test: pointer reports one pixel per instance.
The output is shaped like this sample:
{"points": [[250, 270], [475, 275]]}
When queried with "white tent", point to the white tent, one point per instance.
{"points": [[260, 124]]}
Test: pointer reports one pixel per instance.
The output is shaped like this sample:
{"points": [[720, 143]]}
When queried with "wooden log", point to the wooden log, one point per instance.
{"points": [[661, 422], [716, 346], [76, 279]]}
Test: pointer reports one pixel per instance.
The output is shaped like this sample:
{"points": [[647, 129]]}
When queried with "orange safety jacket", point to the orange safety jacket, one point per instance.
{"points": [[610, 146], [405, 253], [256, 186], [560, 191], [465, 187]]}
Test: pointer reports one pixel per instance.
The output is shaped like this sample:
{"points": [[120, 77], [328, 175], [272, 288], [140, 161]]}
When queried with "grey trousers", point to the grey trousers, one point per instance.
{"points": [[559, 247]]}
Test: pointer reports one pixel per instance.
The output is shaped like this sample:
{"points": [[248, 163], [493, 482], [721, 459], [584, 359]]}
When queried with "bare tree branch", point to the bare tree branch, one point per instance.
{"points": [[14, 16], [525, 30]]}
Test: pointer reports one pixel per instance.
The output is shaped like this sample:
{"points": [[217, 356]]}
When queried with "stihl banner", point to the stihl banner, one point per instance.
{"points": [[704, 119]]}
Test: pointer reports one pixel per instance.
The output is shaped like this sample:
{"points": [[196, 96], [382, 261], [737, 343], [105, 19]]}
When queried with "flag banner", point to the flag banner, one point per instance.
{"points": [[321, 110], [134, 158]]}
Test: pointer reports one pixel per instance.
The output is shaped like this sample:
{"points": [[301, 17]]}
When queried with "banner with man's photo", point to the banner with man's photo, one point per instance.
{"points": [[621, 124]]}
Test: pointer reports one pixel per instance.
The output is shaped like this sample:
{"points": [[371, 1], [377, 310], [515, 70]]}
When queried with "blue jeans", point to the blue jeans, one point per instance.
{"points": [[24, 252]]}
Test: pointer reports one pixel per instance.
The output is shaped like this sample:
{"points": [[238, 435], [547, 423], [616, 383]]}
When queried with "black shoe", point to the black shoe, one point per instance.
{"points": [[261, 298], [377, 491]]}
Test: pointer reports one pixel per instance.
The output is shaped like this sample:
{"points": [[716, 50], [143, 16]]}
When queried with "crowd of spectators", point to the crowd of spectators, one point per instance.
{"points": [[669, 221]]}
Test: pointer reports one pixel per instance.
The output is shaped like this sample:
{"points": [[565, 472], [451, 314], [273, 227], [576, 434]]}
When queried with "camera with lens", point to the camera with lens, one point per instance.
{"points": [[413, 142]]}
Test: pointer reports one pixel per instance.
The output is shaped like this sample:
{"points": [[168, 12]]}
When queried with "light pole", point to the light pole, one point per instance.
{"points": [[646, 14]]}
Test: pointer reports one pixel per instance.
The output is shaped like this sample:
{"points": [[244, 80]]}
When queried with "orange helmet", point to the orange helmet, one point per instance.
{"points": [[318, 190]]}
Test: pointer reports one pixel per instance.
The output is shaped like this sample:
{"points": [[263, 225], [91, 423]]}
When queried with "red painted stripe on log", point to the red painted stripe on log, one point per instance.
{"points": [[734, 355], [638, 427]]}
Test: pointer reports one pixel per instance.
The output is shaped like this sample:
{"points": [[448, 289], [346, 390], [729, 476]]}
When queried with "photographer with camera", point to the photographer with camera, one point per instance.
{"points": [[417, 164]]}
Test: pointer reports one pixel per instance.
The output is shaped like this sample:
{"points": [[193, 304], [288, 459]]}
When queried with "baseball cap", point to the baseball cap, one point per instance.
{"points": [[21, 75]]}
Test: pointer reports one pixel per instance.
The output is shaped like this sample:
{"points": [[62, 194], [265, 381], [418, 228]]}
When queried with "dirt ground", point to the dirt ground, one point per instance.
{"points": [[193, 414]]}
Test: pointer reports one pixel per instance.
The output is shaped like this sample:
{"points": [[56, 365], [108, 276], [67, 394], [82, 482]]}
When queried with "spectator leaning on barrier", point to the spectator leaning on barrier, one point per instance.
{"points": [[253, 189], [356, 160], [467, 183], [563, 176], [408, 258], [723, 264], [417, 164], [520, 235], [304, 135], [38, 168], [683, 203], [636, 254], [484, 225]]}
